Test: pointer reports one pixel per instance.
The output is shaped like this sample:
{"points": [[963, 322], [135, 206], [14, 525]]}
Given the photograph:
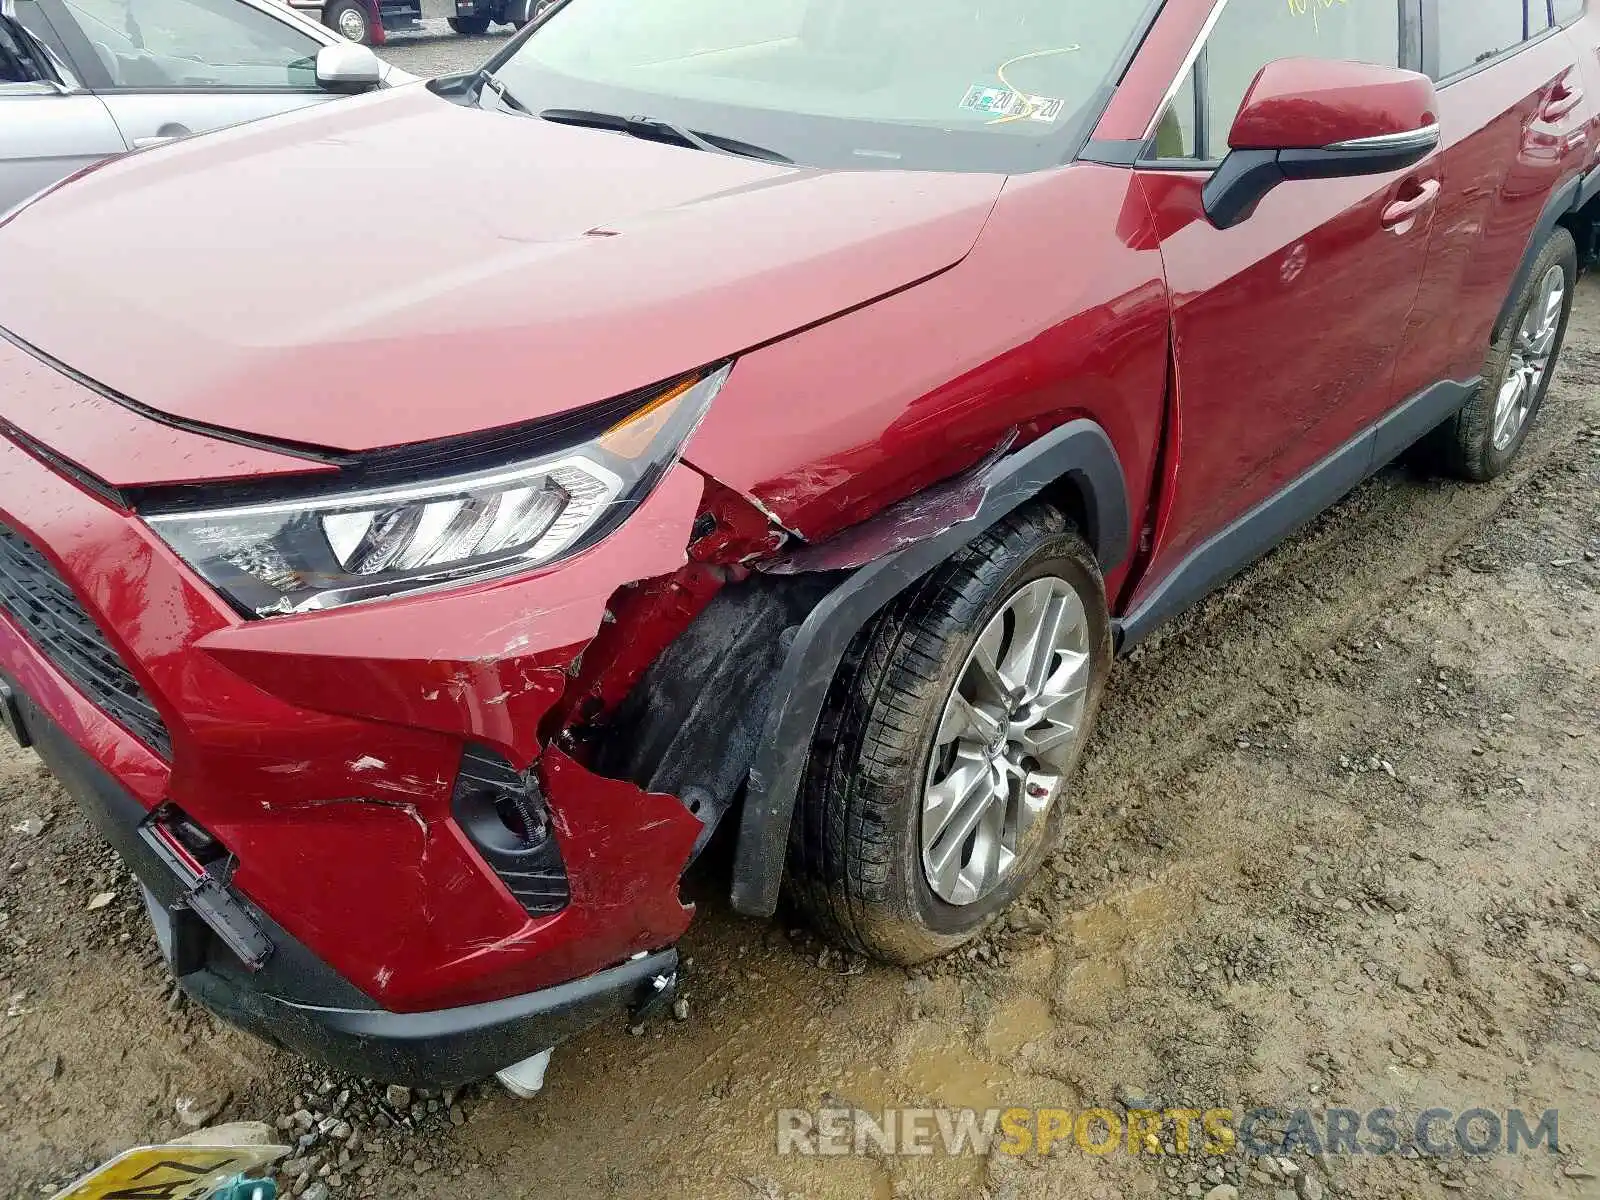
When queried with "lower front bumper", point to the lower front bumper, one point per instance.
{"points": [[297, 1001]]}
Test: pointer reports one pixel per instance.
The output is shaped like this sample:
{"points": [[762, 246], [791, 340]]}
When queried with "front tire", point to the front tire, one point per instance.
{"points": [[1480, 442], [935, 787]]}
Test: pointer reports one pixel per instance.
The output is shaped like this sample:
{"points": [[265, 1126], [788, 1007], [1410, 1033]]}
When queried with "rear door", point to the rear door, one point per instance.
{"points": [[49, 126], [1287, 326], [168, 68], [1515, 116]]}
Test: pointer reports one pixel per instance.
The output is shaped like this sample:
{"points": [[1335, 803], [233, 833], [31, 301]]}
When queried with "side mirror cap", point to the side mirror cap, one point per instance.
{"points": [[1307, 118], [347, 67]]}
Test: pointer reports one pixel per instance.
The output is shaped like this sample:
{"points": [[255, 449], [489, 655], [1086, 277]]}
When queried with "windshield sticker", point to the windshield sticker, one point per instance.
{"points": [[1009, 105]]}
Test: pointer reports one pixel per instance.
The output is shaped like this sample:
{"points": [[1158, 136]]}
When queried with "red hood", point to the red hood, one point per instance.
{"points": [[397, 267]]}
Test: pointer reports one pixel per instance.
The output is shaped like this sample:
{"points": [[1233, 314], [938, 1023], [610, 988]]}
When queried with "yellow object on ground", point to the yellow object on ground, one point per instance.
{"points": [[170, 1172]]}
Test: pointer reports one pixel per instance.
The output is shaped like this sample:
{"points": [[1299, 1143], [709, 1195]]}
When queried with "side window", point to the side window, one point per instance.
{"points": [[1473, 33], [1178, 134], [1567, 10], [159, 44], [1249, 35], [1252, 33], [16, 60]]}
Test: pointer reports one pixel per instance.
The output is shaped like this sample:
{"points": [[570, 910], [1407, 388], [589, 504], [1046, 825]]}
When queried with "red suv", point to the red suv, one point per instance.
{"points": [[770, 416]]}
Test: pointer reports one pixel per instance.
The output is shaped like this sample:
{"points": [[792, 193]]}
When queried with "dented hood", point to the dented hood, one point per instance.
{"points": [[397, 267]]}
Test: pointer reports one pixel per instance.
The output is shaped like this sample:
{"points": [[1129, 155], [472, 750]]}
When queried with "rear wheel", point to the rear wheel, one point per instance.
{"points": [[934, 791], [470, 26], [351, 19], [1481, 441]]}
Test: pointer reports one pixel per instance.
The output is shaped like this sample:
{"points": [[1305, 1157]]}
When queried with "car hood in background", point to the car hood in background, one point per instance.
{"points": [[396, 267]]}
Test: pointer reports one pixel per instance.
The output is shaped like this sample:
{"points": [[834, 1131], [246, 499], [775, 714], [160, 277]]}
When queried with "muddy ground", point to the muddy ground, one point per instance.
{"points": [[1336, 846]]}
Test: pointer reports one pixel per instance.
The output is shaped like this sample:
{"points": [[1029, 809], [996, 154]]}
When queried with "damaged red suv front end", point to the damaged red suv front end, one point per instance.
{"points": [[350, 829], [318, 595]]}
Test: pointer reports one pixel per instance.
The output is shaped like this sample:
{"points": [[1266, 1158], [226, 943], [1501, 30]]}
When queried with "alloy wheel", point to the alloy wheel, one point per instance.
{"points": [[1530, 358], [1007, 737]]}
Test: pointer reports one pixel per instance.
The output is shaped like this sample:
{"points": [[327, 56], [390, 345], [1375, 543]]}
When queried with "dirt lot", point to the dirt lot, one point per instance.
{"points": [[1336, 846]]}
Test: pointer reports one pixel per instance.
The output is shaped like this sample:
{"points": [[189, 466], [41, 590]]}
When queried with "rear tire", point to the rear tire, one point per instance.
{"points": [[860, 865], [350, 19], [1481, 441], [468, 26]]}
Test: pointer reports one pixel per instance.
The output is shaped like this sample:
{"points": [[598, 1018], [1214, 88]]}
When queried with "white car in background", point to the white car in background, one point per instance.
{"points": [[81, 80]]}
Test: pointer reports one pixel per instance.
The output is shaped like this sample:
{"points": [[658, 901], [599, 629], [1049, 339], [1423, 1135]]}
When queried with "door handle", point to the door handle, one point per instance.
{"points": [[146, 142], [1563, 100], [1401, 212]]}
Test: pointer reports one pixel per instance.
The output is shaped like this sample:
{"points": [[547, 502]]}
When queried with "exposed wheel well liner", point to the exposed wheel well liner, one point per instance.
{"points": [[1074, 463]]}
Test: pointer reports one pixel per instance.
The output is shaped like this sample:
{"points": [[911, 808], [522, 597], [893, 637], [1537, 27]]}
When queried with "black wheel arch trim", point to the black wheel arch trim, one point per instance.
{"points": [[1078, 453], [1567, 199]]}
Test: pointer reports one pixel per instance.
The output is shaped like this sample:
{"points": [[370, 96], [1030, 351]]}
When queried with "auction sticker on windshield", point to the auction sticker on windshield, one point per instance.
{"points": [[1005, 102], [170, 1172]]}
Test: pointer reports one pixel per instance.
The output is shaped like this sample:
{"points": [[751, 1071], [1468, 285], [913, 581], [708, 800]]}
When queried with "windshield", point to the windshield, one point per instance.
{"points": [[974, 85]]}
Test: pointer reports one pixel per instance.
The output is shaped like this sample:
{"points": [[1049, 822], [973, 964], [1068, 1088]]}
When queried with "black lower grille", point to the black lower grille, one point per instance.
{"points": [[503, 813], [40, 601]]}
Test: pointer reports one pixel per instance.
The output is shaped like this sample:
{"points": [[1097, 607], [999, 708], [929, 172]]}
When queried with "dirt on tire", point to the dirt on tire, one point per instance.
{"points": [[1334, 846]]}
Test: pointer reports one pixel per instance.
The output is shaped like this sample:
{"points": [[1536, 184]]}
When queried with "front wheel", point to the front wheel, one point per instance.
{"points": [[935, 788], [351, 19], [1481, 441], [469, 26]]}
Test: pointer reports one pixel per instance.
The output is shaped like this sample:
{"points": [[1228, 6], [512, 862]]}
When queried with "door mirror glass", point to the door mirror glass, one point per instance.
{"points": [[1321, 119], [348, 67]]}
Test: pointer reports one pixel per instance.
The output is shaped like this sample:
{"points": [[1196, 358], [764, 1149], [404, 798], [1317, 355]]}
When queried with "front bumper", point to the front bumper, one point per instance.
{"points": [[322, 752], [297, 1001]]}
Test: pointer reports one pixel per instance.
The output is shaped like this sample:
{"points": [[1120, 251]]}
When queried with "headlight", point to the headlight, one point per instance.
{"points": [[324, 550]]}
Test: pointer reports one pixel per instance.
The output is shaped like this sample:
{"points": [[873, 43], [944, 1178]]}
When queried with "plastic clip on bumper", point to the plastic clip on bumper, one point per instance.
{"points": [[238, 962]]}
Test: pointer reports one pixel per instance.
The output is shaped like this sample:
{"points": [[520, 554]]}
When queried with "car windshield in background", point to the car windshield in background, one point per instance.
{"points": [[975, 85]]}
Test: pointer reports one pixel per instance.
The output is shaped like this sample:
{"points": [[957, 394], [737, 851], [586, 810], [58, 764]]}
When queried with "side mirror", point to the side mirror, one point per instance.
{"points": [[347, 67], [1313, 118]]}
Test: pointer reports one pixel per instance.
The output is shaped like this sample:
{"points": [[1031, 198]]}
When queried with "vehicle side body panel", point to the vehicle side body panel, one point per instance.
{"points": [[1515, 132]]}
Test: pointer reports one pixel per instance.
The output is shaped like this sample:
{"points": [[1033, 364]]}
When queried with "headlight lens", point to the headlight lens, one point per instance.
{"points": [[342, 548]]}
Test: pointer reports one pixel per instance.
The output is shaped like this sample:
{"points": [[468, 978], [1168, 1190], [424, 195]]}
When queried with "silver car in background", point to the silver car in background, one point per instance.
{"points": [[81, 80]]}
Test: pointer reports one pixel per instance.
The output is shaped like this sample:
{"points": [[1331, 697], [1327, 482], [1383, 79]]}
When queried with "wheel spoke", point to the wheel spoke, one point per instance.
{"points": [[988, 845], [963, 719], [946, 799], [986, 669], [944, 855], [1508, 408]]}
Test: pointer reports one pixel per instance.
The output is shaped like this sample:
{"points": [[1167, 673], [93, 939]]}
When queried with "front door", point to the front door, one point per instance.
{"points": [[169, 68], [49, 127], [1287, 326]]}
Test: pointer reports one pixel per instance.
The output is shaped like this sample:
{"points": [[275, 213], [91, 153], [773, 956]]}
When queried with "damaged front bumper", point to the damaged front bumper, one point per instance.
{"points": [[295, 1000], [326, 755]]}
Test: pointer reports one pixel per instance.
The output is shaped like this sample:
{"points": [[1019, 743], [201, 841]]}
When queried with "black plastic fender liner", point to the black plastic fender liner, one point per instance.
{"points": [[1568, 198], [1078, 452]]}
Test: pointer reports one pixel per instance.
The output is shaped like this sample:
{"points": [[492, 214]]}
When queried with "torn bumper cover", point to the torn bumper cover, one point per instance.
{"points": [[295, 1000], [325, 756]]}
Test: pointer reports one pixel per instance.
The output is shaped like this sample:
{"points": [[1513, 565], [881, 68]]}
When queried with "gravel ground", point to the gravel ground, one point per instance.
{"points": [[437, 51], [1335, 845]]}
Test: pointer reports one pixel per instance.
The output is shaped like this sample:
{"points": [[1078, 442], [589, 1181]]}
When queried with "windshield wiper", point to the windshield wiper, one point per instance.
{"points": [[654, 129], [490, 83]]}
